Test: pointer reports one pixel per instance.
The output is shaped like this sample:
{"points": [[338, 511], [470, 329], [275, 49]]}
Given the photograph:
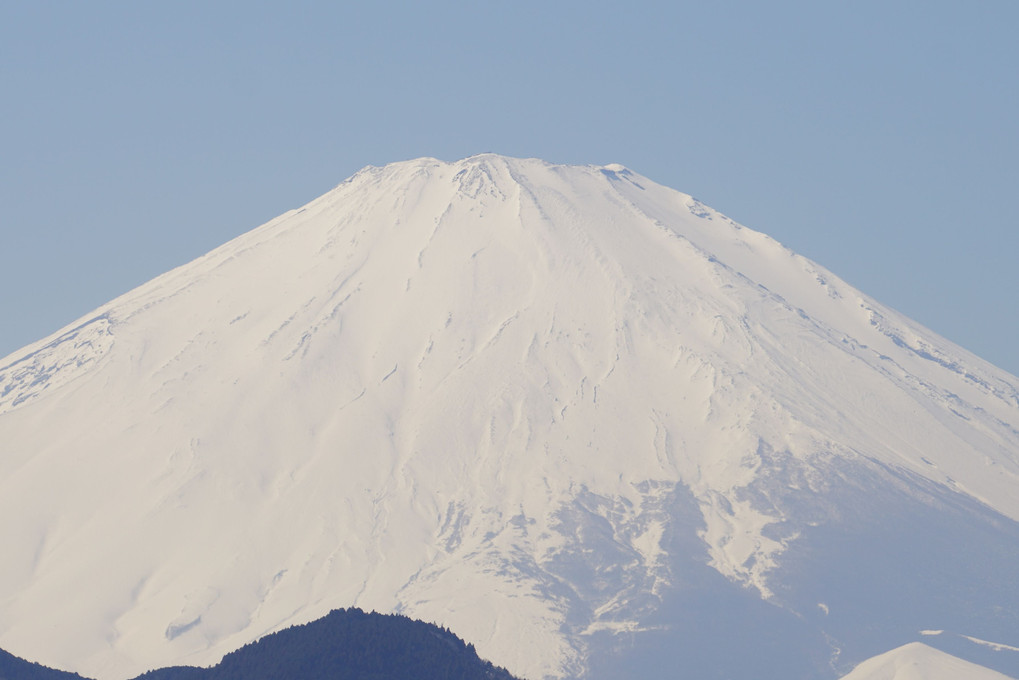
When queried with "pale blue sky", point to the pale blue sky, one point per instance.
{"points": [[880, 139]]}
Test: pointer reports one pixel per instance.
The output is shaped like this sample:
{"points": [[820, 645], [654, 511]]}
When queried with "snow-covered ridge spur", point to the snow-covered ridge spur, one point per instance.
{"points": [[59, 361]]}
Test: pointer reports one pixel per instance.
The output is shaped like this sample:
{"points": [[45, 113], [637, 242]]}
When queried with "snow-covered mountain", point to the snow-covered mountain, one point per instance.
{"points": [[917, 661], [584, 421]]}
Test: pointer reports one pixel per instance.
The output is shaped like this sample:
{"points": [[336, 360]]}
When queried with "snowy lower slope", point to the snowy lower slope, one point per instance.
{"points": [[577, 417]]}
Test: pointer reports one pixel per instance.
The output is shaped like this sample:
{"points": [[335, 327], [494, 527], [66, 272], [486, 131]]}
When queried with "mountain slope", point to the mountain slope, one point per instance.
{"points": [[563, 411], [345, 644], [13, 668], [348, 645], [917, 661]]}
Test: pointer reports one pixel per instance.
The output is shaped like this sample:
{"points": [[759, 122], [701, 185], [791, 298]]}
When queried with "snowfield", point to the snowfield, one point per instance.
{"points": [[917, 661], [581, 419]]}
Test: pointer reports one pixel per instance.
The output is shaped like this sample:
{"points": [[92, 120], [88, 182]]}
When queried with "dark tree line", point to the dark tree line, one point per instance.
{"points": [[347, 644], [13, 668]]}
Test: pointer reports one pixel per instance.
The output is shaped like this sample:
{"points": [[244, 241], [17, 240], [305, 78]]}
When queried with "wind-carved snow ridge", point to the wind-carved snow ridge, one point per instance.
{"points": [[57, 363], [590, 424], [924, 349]]}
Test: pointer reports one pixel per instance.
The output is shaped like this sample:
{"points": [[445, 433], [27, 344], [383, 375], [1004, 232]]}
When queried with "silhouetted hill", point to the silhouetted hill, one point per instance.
{"points": [[13, 668], [347, 644]]}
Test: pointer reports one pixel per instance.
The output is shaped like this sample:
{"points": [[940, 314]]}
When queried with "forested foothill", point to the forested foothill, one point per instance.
{"points": [[347, 644]]}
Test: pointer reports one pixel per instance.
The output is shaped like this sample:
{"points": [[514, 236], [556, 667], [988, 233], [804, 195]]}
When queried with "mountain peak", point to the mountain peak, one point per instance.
{"points": [[531, 402]]}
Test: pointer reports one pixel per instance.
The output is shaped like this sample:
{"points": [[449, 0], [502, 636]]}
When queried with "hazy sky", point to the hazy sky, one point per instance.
{"points": [[880, 139]]}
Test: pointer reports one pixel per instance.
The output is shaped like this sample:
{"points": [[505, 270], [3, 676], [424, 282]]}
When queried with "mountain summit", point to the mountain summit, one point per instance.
{"points": [[586, 422]]}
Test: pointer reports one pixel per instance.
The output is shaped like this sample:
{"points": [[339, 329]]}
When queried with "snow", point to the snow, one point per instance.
{"points": [[997, 646], [466, 392], [917, 661]]}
